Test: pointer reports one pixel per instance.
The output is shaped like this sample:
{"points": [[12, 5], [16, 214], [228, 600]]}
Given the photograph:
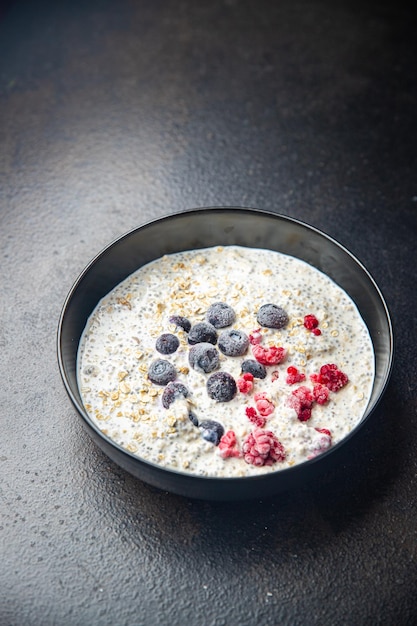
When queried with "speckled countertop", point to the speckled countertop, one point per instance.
{"points": [[115, 113]]}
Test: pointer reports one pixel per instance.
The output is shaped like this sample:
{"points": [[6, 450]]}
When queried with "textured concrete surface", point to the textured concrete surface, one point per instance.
{"points": [[114, 113]]}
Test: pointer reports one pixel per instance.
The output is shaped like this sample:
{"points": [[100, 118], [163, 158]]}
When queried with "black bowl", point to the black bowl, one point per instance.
{"points": [[201, 228]]}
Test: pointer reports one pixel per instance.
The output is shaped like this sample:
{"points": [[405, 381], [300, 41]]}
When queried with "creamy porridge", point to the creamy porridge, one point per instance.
{"points": [[226, 361]]}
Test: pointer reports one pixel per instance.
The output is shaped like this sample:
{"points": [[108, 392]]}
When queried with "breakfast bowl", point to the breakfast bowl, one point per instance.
{"points": [[207, 228]]}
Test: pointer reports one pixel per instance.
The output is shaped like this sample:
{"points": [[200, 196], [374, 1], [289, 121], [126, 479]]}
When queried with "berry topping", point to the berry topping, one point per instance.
{"points": [[228, 445], [161, 372], [211, 431], [330, 376], [193, 417], [245, 383], [272, 316], [321, 443], [172, 391], [294, 376], [255, 337], [202, 332], [220, 315], [325, 431], [256, 419], [310, 322], [301, 400], [269, 356], [261, 447], [253, 367], [180, 321], [233, 342], [167, 343], [265, 407], [204, 357], [221, 387], [320, 393]]}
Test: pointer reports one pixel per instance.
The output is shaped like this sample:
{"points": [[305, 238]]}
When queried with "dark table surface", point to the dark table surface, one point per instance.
{"points": [[112, 113]]}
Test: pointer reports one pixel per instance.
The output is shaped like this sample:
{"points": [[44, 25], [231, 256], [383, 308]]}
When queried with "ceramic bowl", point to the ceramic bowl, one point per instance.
{"points": [[201, 228]]}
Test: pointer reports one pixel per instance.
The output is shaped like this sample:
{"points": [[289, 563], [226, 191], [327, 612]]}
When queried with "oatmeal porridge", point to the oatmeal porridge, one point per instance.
{"points": [[226, 361]]}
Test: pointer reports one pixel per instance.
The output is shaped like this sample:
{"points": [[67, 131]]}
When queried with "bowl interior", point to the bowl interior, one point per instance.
{"points": [[211, 227]]}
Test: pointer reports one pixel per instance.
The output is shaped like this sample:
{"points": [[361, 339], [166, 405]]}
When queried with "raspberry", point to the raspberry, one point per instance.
{"points": [[325, 431], [255, 337], [261, 447], [331, 377], [228, 445], [245, 383], [310, 322], [322, 443], [301, 400], [294, 376], [265, 407], [269, 356], [256, 419], [316, 331], [320, 393]]}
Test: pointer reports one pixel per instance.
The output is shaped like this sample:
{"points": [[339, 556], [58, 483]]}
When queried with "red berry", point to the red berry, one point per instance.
{"points": [[331, 377], [269, 356], [316, 331], [244, 385], [265, 407], [228, 445], [256, 419], [301, 400], [261, 447], [325, 431], [320, 393], [294, 376], [322, 443], [255, 337], [310, 322]]}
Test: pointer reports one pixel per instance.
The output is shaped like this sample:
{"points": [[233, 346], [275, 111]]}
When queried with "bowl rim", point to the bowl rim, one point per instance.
{"points": [[220, 480]]}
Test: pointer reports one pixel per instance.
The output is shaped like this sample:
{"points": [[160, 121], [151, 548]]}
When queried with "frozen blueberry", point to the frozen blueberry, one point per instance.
{"points": [[161, 372], [180, 321], [272, 316], [211, 431], [202, 332], [193, 417], [204, 357], [233, 342], [221, 387], [172, 391], [254, 367], [220, 315], [167, 343]]}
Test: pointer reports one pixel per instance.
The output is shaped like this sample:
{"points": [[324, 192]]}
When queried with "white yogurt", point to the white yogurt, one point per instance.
{"points": [[118, 345]]}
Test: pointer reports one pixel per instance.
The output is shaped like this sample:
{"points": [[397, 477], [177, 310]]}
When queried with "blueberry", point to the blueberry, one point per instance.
{"points": [[202, 332], [233, 342], [211, 431], [193, 417], [253, 367], [173, 391], [161, 372], [180, 321], [203, 357], [272, 316], [220, 315], [221, 387], [167, 343]]}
